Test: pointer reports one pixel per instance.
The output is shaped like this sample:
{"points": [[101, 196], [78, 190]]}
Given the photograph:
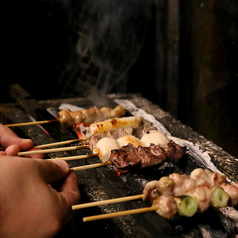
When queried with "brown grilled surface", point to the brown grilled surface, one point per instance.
{"points": [[103, 183]]}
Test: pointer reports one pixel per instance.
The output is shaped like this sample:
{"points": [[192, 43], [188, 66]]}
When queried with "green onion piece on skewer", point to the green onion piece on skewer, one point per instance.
{"points": [[219, 198], [187, 206]]}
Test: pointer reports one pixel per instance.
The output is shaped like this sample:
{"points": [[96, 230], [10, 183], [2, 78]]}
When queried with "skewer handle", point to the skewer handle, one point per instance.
{"points": [[74, 157], [30, 123], [53, 150], [109, 201], [90, 166], [116, 214], [57, 143]]}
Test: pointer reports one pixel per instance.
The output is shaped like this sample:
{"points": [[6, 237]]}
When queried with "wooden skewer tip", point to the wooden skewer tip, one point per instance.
{"points": [[30, 123], [108, 201], [53, 150], [90, 166], [117, 214], [57, 143], [74, 157]]}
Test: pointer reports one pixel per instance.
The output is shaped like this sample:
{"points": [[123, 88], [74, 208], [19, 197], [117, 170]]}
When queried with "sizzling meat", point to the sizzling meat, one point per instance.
{"points": [[89, 116], [129, 155]]}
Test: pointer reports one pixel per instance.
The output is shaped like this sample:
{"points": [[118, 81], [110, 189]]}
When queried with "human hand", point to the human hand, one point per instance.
{"points": [[30, 206], [12, 144]]}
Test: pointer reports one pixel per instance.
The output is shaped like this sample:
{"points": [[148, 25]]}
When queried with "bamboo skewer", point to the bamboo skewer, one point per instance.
{"points": [[74, 157], [122, 213], [90, 166], [30, 123], [52, 150], [108, 201], [58, 143]]}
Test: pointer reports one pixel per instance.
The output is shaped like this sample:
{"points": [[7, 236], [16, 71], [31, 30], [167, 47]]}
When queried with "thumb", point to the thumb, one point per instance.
{"points": [[53, 171]]}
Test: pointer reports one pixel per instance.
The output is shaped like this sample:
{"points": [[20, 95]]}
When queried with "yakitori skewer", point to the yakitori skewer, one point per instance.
{"points": [[186, 210], [53, 150], [108, 147], [126, 157], [185, 205], [179, 194], [100, 127], [87, 116]]}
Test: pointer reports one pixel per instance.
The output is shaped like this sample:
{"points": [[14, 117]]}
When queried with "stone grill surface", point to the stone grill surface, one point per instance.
{"points": [[103, 183]]}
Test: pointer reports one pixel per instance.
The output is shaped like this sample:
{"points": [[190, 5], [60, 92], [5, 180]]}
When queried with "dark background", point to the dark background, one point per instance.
{"points": [[181, 55]]}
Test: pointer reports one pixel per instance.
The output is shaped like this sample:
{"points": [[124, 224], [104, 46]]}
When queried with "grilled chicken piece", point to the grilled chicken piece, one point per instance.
{"points": [[89, 116], [205, 177], [166, 205], [110, 124]]}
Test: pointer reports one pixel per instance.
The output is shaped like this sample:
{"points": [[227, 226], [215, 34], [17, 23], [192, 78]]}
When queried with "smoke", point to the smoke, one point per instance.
{"points": [[116, 33]]}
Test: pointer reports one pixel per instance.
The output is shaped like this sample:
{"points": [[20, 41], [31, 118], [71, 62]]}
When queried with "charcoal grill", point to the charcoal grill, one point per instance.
{"points": [[103, 183]]}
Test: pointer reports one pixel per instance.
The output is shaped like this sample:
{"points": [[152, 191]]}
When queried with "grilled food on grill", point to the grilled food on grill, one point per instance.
{"points": [[129, 151], [156, 137], [213, 191], [104, 148], [117, 133], [89, 116], [232, 191], [130, 139], [168, 200], [110, 124]]}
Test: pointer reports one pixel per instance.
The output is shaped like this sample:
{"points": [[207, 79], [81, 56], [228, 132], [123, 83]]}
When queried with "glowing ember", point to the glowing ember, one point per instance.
{"points": [[79, 128]]}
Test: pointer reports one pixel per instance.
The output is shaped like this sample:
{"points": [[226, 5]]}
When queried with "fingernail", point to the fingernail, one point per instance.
{"points": [[64, 165]]}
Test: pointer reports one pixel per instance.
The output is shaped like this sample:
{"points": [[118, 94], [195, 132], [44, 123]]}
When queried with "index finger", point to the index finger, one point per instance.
{"points": [[8, 137]]}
